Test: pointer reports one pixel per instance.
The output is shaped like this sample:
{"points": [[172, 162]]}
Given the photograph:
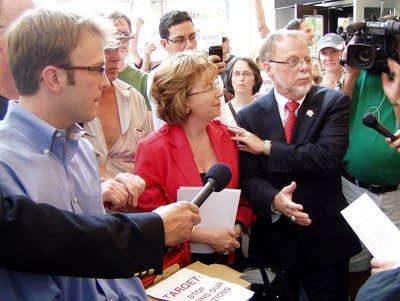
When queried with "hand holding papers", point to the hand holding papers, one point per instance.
{"points": [[219, 210], [373, 227]]}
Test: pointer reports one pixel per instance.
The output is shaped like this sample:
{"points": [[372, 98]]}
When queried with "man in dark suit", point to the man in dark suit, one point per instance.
{"points": [[292, 178], [40, 238]]}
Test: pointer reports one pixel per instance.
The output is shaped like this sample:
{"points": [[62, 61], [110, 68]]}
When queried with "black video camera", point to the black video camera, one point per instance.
{"points": [[377, 42]]}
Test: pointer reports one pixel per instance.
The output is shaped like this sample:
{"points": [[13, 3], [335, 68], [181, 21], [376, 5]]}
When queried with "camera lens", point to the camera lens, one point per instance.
{"points": [[363, 57]]}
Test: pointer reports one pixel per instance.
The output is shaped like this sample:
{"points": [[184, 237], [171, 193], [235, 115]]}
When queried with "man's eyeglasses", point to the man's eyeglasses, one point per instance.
{"points": [[182, 40], [100, 69], [125, 34], [294, 63], [215, 85], [244, 73]]}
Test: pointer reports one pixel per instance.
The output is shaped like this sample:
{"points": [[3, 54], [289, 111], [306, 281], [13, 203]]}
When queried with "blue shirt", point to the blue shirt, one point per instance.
{"points": [[57, 167], [383, 286]]}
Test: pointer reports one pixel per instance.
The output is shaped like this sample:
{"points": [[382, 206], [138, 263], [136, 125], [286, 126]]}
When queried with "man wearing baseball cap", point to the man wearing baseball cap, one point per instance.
{"points": [[121, 122]]}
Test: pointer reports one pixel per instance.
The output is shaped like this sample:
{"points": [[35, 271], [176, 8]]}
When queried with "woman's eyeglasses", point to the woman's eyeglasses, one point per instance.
{"points": [[215, 85], [243, 73]]}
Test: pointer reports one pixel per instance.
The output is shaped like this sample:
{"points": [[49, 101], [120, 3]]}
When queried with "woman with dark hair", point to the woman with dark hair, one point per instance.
{"points": [[243, 81]]}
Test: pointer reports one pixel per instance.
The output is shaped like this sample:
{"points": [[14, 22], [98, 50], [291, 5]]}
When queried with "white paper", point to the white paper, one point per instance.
{"points": [[187, 284], [374, 228], [218, 210]]}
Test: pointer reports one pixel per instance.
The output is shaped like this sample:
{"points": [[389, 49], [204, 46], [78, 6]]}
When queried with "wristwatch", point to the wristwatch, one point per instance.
{"points": [[267, 147]]}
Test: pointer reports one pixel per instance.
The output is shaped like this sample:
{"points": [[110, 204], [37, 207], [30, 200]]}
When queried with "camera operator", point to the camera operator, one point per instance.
{"points": [[369, 164]]}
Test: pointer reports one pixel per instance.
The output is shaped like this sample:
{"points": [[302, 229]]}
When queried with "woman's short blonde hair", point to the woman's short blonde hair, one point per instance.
{"points": [[174, 79]]}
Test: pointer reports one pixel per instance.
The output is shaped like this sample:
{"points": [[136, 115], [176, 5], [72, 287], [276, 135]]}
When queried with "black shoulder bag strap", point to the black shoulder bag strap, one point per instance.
{"points": [[232, 111]]}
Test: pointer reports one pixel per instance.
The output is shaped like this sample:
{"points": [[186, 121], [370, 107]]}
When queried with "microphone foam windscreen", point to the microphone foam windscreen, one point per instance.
{"points": [[369, 120], [221, 174]]}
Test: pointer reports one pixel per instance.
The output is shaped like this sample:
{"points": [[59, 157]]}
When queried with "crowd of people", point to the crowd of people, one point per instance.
{"points": [[97, 139]]}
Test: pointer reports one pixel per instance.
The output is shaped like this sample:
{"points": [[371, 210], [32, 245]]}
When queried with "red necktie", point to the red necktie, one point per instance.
{"points": [[291, 106]]}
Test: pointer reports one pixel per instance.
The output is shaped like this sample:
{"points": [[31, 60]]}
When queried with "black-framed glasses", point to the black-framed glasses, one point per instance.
{"points": [[215, 85], [100, 69], [294, 63], [182, 40]]}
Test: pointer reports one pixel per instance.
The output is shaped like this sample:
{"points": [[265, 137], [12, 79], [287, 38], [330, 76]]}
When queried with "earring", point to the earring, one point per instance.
{"points": [[187, 111]]}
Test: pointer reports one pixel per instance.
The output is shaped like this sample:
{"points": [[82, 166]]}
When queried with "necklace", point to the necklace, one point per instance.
{"points": [[195, 147]]}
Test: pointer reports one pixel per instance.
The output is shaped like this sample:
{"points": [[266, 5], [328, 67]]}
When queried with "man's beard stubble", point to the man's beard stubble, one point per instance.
{"points": [[298, 91]]}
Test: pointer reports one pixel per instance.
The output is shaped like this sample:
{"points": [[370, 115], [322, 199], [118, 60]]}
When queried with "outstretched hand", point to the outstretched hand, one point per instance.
{"points": [[283, 203]]}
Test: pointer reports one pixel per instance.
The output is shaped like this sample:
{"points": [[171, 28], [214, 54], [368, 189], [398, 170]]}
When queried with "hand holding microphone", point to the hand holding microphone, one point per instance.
{"points": [[216, 178], [178, 220]]}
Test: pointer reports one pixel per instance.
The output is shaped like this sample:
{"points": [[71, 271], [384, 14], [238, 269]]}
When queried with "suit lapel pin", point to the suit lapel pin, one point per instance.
{"points": [[310, 113]]}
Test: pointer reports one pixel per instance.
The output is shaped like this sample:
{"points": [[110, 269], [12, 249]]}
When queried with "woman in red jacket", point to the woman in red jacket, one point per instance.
{"points": [[181, 152]]}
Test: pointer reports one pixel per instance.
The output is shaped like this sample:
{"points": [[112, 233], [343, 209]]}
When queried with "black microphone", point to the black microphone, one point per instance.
{"points": [[217, 177], [369, 120]]}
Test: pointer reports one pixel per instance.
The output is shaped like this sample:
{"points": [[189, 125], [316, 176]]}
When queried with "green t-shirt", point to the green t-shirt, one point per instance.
{"points": [[369, 158], [137, 79]]}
